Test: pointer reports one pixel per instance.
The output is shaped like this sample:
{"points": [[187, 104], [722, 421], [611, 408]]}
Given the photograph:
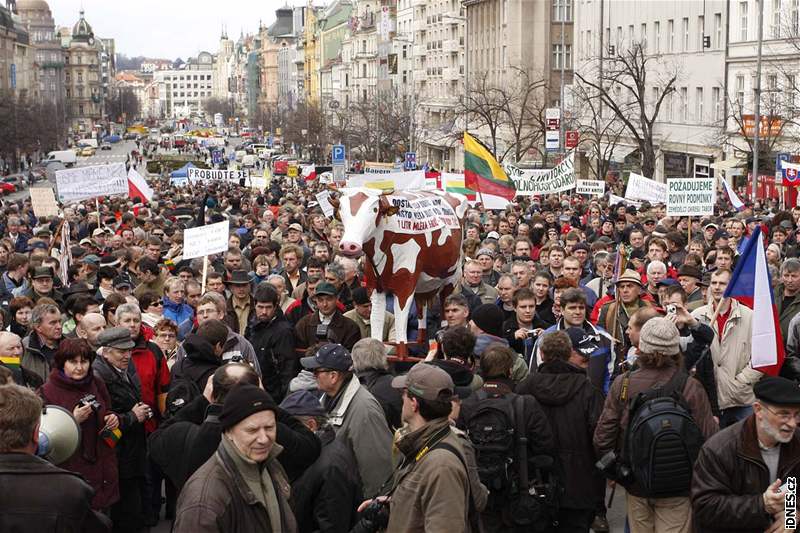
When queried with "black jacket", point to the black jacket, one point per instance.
{"points": [[193, 434], [326, 496], [379, 384], [125, 394], [697, 359], [199, 364], [273, 342], [573, 406], [36, 495]]}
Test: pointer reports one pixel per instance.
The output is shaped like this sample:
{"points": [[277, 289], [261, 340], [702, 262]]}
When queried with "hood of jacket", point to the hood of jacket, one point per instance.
{"points": [[484, 340], [557, 382], [199, 349]]}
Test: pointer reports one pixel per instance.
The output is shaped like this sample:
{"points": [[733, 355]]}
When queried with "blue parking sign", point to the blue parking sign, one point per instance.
{"points": [[411, 160], [337, 154]]}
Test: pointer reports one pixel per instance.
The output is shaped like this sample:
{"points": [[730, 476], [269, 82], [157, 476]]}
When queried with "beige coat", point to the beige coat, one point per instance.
{"points": [[388, 326], [731, 353]]}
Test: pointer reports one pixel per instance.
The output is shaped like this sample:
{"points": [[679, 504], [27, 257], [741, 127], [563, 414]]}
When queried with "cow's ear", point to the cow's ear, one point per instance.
{"points": [[391, 210]]}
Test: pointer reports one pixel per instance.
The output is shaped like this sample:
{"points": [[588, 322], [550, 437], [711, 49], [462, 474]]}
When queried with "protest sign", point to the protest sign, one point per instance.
{"points": [[645, 189], [378, 168], [613, 199], [258, 183], [206, 174], [205, 240], [592, 187], [399, 181], [691, 197], [324, 199], [43, 201], [535, 182], [76, 184], [418, 214]]}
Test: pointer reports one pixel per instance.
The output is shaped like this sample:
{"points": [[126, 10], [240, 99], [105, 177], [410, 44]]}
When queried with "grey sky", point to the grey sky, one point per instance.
{"points": [[167, 28]]}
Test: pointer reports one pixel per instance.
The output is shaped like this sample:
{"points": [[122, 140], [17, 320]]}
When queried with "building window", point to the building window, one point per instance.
{"points": [[643, 34], [685, 46], [742, 21], [557, 56], [669, 100], [684, 104], [656, 94], [740, 92], [670, 35], [630, 35], [715, 97], [718, 30], [790, 92], [794, 17], [772, 88], [776, 19], [701, 31], [562, 10], [619, 40], [657, 36], [698, 105]]}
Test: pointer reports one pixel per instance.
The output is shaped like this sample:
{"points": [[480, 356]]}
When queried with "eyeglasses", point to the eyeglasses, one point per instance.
{"points": [[157, 304], [783, 417]]}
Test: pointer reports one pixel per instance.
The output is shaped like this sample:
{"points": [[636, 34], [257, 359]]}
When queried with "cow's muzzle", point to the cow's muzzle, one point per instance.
{"points": [[349, 248]]}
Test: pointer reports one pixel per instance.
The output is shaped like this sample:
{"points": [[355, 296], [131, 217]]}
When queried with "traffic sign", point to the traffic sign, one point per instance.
{"points": [[216, 157], [411, 160], [552, 116], [571, 139], [338, 173], [291, 171], [338, 154], [551, 140]]}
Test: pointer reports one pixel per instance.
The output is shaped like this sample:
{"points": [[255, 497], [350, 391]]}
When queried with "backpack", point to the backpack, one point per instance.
{"points": [[491, 430], [182, 390], [662, 441]]}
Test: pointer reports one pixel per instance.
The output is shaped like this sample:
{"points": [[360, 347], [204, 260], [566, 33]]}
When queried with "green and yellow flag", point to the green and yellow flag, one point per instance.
{"points": [[10, 362], [482, 172]]}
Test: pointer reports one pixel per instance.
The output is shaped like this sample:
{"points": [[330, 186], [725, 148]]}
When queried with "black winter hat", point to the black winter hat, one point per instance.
{"points": [[243, 401], [489, 318]]}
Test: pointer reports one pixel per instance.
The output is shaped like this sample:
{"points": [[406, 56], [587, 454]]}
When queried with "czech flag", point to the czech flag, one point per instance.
{"points": [[734, 199], [750, 285]]}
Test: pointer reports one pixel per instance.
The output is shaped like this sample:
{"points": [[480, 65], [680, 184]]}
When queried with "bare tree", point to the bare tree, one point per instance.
{"points": [[623, 88], [525, 113], [122, 104], [212, 106], [485, 108], [599, 135]]}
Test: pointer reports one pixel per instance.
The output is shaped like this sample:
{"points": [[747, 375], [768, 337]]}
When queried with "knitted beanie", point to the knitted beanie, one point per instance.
{"points": [[659, 335], [489, 318]]}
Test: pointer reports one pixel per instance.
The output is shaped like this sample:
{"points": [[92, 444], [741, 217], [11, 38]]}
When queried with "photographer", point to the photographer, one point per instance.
{"points": [[327, 323], [34, 494], [71, 385]]}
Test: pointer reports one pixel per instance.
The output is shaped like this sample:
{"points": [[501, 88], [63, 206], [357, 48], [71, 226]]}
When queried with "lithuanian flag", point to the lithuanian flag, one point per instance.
{"points": [[112, 436], [11, 362], [482, 172]]}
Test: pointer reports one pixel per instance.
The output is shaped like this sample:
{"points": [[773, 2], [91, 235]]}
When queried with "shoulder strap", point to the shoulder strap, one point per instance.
{"points": [[623, 393], [518, 407], [471, 510]]}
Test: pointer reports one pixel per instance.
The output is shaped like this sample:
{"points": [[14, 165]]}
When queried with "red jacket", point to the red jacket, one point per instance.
{"points": [[154, 381], [94, 460]]}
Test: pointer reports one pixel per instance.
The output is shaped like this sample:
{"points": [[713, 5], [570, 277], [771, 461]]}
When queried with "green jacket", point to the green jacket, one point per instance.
{"points": [[785, 314]]}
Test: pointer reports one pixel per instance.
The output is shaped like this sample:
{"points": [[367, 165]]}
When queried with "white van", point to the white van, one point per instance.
{"points": [[65, 157]]}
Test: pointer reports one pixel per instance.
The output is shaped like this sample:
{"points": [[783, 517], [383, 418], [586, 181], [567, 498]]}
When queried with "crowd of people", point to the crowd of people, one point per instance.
{"points": [[244, 392]]}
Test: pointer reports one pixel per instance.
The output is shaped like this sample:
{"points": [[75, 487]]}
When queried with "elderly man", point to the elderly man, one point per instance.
{"points": [[11, 357], [372, 368], [334, 274], [656, 271], [354, 413], [474, 288], [41, 344], [614, 315], [242, 487], [34, 494], [786, 294], [738, 475]]}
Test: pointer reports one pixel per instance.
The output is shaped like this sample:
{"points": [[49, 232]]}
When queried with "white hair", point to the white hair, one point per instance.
{"points": [[654, 264]]}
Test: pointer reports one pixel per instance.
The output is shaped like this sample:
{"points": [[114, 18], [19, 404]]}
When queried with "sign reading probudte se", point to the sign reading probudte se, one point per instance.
{"points": [[205, 240], [691, 197], [76, 184], [196, 174]]}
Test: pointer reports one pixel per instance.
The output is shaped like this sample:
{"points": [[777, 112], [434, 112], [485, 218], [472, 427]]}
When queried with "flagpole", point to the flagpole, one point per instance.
{"points": [[97, 206], [205, 273]]}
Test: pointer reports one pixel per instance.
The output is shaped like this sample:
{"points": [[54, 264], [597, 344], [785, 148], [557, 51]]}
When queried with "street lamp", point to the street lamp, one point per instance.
{"points": [[304, 133]]}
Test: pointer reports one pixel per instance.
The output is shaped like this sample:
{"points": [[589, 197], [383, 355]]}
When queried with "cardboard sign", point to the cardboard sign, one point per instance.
{"points": [[324, 199], [592, 187], [645, 189], [258, 183], [613, 199], [691, 197], [536, 182], [76, 184], [399, 181], [418, 214], [205, 174], [43, 200], [205, 240]]}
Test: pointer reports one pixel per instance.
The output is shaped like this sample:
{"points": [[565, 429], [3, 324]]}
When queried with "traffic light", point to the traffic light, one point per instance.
{"points": [[706, 41]]}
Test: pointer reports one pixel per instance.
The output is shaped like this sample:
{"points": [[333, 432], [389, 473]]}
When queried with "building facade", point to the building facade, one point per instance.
{"points": [[48, 54], [183, 90], [82, 77]]}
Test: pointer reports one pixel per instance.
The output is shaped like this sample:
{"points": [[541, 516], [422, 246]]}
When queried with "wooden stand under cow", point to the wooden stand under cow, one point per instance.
{"points": [[411, 241]]}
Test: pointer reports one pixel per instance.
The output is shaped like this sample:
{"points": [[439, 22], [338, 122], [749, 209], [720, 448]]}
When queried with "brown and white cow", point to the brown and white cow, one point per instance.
{"points": [[412, 246]]}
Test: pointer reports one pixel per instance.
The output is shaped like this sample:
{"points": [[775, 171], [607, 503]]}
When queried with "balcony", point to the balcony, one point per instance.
{"points": [[419, 3], [419, 50], [451, 74], [451, 46], [420, 25], [365, 55]]}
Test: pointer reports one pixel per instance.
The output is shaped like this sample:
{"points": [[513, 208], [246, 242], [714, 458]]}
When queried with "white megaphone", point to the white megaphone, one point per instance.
{"points": [[59, 434]]}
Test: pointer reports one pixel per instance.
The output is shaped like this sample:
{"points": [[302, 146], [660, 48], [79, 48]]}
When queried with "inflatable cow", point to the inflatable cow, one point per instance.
{"points": [[412, 246]]}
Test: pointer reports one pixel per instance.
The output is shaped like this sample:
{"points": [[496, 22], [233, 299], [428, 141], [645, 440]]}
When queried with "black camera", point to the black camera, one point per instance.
{"points": [[374, 517], [614, 469], [89, 399], [322, 332]]}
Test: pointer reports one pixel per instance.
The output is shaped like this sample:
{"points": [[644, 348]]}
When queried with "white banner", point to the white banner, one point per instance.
{"points": [[419, 214], [691, 197], [613, 199], [378, 168], [76, 184], [399, 181], [534, 182], [196, 174], [43, 201], [592, 187], [641, 188], [205, 240]]}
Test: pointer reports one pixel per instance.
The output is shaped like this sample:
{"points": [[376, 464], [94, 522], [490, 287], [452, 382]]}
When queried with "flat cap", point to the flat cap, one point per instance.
{"points": [[777, 391], [302, 403], [119, 338]]}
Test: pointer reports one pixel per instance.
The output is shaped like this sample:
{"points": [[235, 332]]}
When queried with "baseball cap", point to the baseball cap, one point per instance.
{"points": [[325, 288], [333, 356], [585, 344], [426, 381], [296, 227]]}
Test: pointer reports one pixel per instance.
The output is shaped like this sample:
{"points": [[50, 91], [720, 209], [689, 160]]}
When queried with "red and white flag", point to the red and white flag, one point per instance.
{"points": [[138, 187]]}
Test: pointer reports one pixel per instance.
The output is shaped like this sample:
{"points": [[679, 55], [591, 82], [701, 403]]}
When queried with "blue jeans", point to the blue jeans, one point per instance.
{"points": [[731, 415]]}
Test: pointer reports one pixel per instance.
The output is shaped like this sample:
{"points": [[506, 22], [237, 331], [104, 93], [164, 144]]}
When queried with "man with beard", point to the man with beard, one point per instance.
{"points": [[273, 340], [738, 475]]}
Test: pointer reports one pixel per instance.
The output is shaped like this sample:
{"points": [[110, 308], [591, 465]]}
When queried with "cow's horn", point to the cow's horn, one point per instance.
{"points": [[387, 192]]}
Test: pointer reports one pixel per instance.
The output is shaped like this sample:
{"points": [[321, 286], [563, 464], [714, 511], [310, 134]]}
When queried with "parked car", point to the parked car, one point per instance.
{"points": [[7, 188], [105, 146], [19, 181], [65, 157]]}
